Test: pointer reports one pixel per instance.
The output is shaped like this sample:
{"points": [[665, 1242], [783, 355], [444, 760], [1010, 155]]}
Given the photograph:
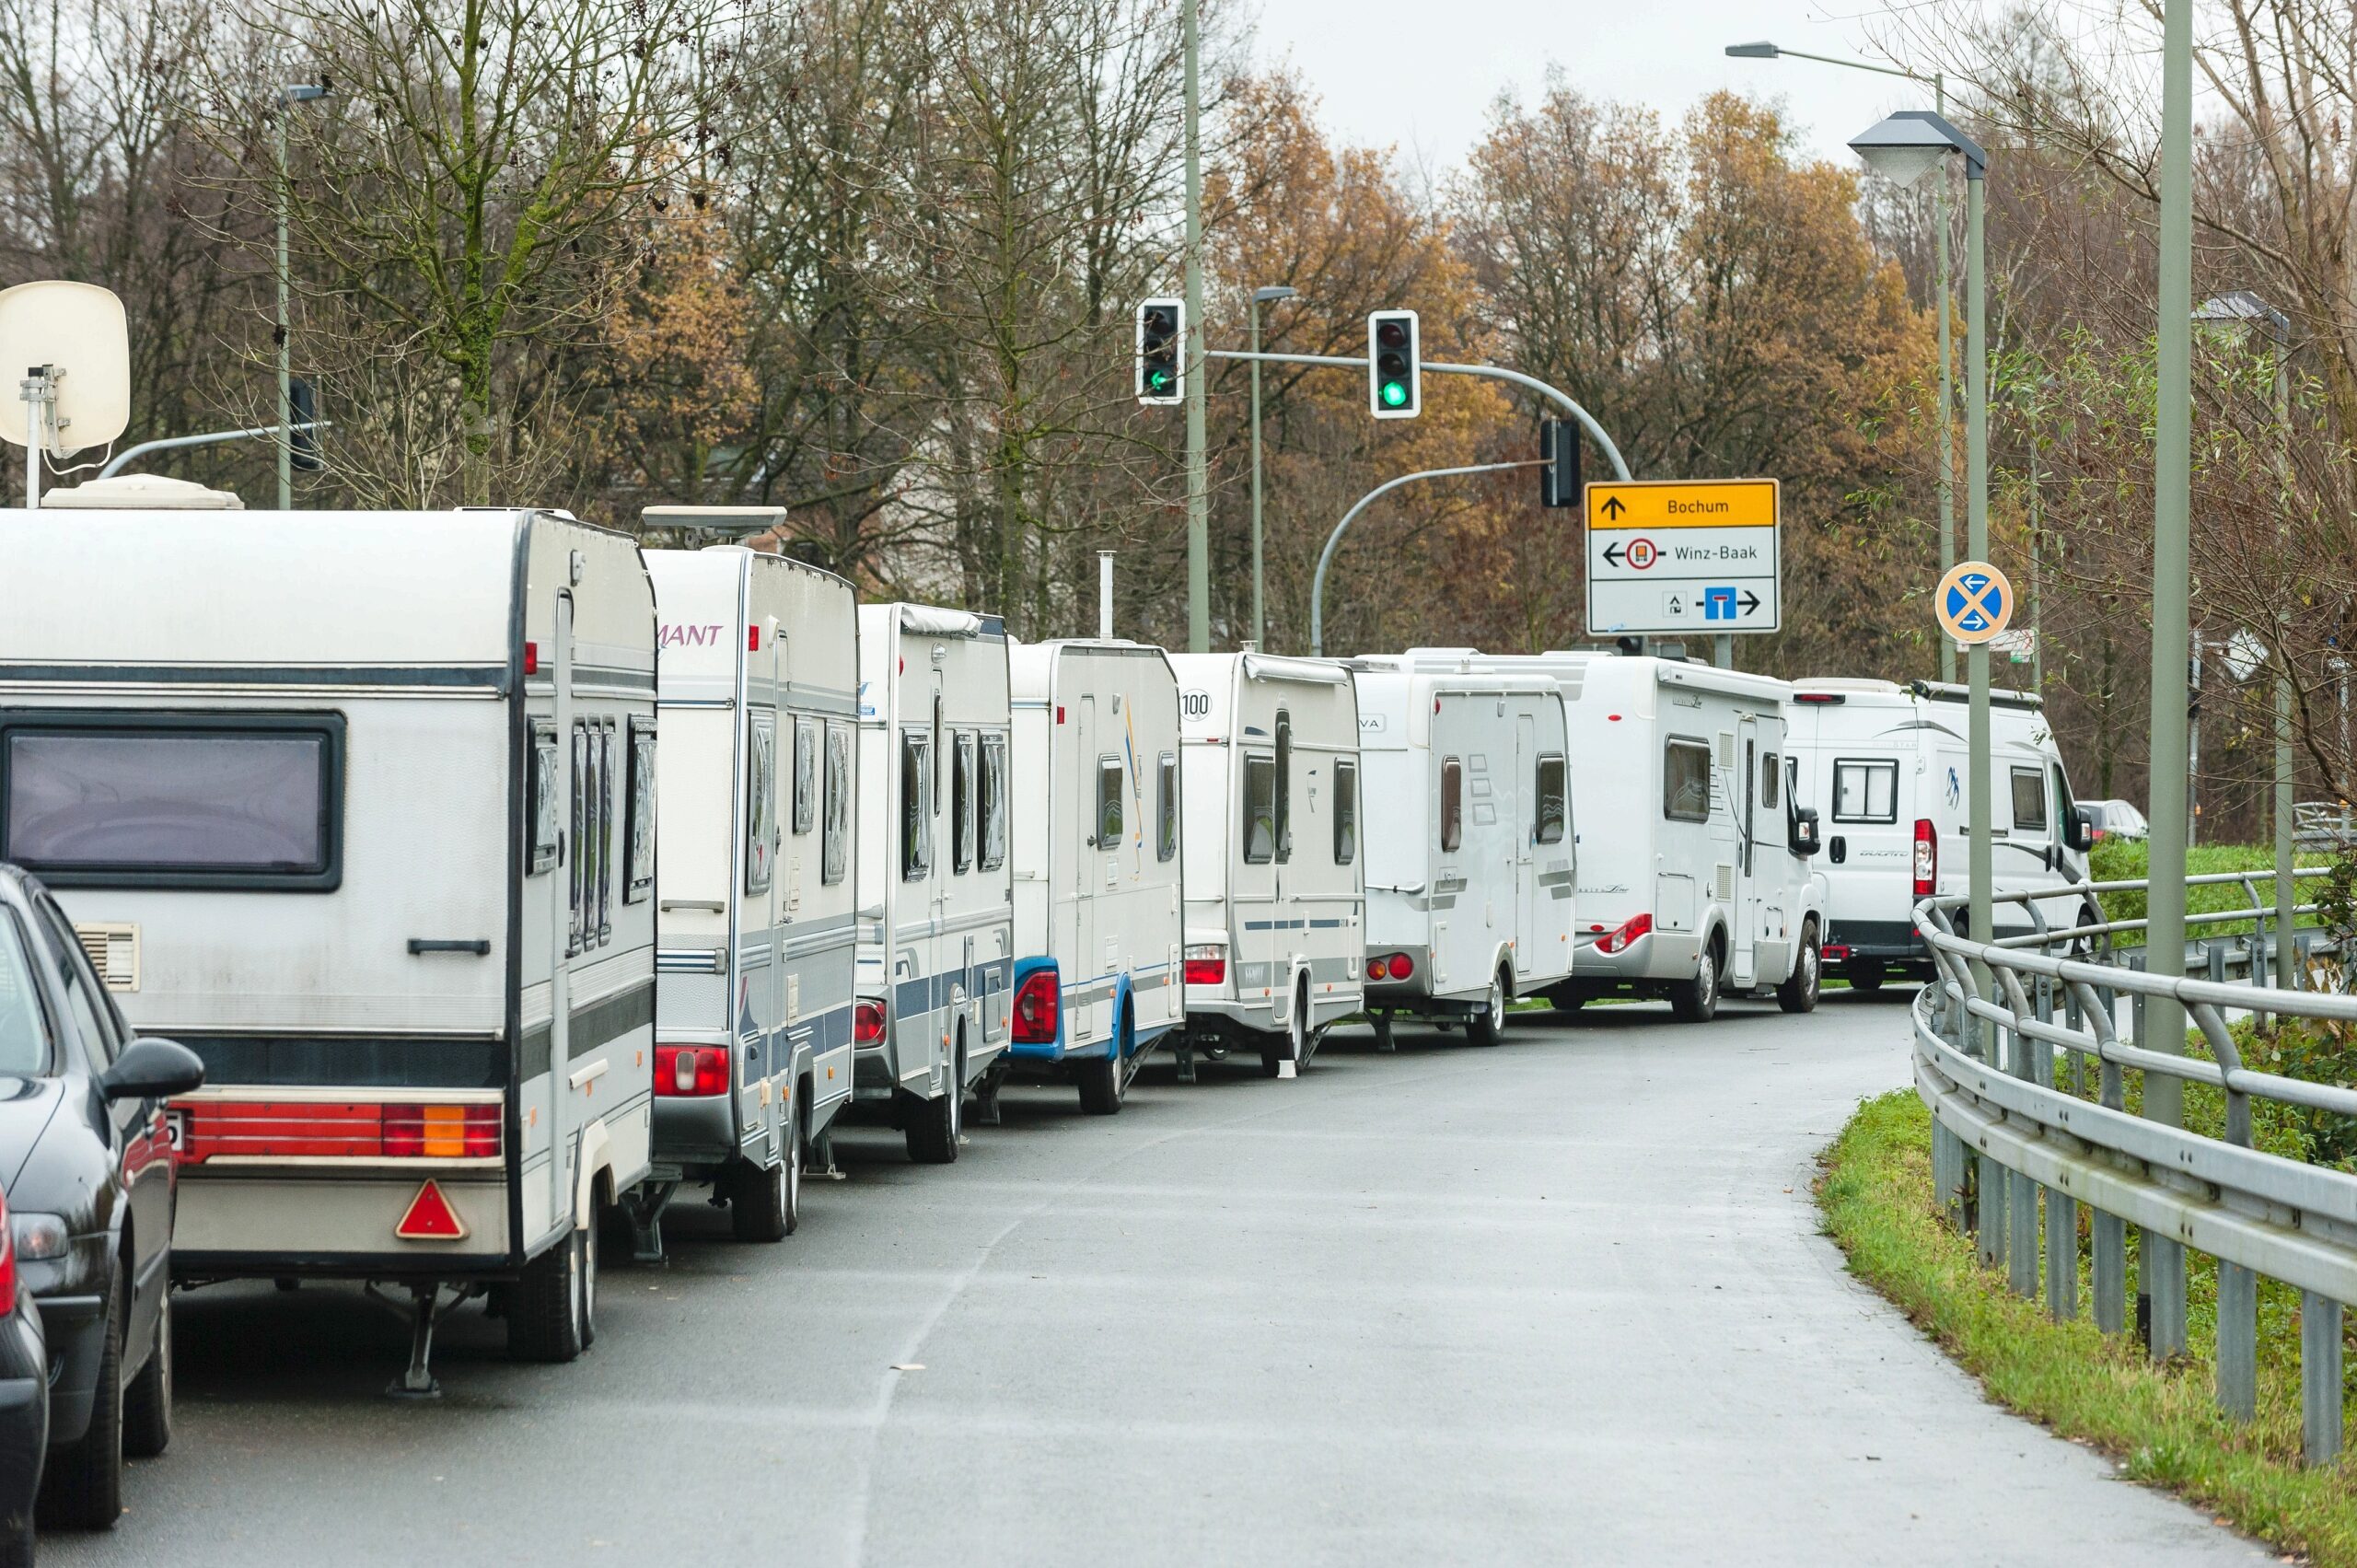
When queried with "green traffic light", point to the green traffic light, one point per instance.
{"points": [[1158, 379], [1394, 394]]}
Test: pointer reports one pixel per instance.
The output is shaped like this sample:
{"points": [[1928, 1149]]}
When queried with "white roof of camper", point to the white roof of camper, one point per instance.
{"points": [[259, 589]]}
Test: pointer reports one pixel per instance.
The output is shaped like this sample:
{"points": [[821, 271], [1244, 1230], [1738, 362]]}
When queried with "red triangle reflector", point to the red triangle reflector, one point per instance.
{"points": [[431, 1218]]}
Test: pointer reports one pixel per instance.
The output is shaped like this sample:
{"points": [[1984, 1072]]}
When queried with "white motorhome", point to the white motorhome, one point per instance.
{"points": [[1890, 767], [359, 805], [1694, 876], [1275, 895], [1097, 922], [1469, 863], [757, 795], [936, 927]]}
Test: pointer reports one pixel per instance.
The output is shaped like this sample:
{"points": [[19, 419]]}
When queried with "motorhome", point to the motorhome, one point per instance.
{"points": [[359, 805], [757, 797], [1097, 862], [1268, 813], [1469, 864], [1694, 879], [936, 880], [1889, 766]]}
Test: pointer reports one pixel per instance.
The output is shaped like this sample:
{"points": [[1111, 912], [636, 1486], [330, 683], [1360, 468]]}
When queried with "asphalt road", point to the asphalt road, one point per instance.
{"points": [[1561, 1301]]}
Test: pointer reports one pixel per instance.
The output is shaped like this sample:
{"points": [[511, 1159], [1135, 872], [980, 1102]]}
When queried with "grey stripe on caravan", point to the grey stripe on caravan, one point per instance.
{"points": [[981, 920], [591, 1025], [455, 677], [613, 675]]}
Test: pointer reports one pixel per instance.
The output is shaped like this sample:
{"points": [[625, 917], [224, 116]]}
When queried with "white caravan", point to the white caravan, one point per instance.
{"points": [[755, 946], [1097, 922], [936, 931], [1469, 864], [1694, 875], [359, 805], [1889, 766], [1275, 893]]}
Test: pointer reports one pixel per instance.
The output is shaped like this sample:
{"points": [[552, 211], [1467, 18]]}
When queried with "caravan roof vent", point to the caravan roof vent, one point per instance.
{"points": [[145, 493]]}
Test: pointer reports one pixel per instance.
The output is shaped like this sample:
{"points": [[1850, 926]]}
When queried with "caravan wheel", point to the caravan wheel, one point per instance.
{"points": [[1696, 1001], [1102, 1084], [1489, 1026], [933, 1123], [552, 1311], [1798, 993], [764, 1202]]}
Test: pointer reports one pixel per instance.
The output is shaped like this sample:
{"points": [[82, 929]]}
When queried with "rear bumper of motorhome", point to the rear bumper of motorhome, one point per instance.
{"points": [[1657, 954], [279, 1222], [1884, 939], [695, 1129]]}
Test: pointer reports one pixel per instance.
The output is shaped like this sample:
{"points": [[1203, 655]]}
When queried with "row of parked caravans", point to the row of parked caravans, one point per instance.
{"points": [[365, 808]]}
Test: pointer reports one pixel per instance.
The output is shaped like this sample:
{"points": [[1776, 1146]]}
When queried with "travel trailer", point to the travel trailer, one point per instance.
{"points": [[1695, 881], [1891, 766], [1469, 849], [757, 797], [1097, 922], [936, 879], [1268, 813], [359, 807]]}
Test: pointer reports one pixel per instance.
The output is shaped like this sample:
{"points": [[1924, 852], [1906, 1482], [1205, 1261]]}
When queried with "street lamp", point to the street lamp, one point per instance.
{"points": [[1945, 482], [1903, 148], [288, 96], [2243, 309], [1261, 297]]}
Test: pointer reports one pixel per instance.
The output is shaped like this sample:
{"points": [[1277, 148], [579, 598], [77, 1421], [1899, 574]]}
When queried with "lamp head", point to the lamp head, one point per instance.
{"points": [[1271, 295], [1905, 147], [1763, 49], [2242, 308], [305, 92]]}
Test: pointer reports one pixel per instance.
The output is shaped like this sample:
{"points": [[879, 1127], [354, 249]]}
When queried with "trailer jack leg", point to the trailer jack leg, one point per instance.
{"points": [[1383, 1040], [821, 1162], [986, 1111], [641, 1211], [1186, 1051], [425, 1310]]}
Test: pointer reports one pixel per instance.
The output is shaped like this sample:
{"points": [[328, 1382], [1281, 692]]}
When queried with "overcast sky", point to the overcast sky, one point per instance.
{"points": [[1662, 52]]}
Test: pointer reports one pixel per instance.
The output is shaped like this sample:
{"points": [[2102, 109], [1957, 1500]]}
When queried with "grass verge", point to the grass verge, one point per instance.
{"points": [[2162, 1424]]}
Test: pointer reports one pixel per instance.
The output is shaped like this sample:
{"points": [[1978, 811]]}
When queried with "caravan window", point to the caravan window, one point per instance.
{"points": [[1108, 802], [1865, 791], [638, 853], [961, 804], [1259, 811], [994, 802], [1771, 782], [916, 807], [760, 801], [1452, 804], [1346, 813], [806, 774], [547, 814], [578, 930], [2030, 799], [158, 800], [834, 855], [1685, 781], [602, 808], [1165, 809], [1284, 787], [1553, 801]]}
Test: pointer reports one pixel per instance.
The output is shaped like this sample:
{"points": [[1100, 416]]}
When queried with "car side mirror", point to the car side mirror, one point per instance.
{"points": [[153, 1069], [2079, 832], [1805, 840]]}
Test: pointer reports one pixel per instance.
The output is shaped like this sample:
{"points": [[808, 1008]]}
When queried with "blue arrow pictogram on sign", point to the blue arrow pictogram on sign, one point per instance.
{"points": [[1976, 602]]}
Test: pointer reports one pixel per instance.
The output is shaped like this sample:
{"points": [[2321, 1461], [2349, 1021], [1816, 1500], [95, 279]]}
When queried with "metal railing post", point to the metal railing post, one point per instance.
{"points": [[2320, 1388], [2237, 1286]]}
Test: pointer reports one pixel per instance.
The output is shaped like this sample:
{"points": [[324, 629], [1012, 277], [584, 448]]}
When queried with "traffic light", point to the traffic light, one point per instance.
{"points": [[1162, 340], [302, 413], [1559, 448], [1394, 368]]}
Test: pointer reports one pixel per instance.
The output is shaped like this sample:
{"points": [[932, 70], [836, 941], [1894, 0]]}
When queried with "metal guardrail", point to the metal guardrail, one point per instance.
{"points": [[1991, 1035]]}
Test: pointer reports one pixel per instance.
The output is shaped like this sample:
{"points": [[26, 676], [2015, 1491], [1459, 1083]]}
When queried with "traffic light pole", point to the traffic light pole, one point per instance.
{"points": [[1199, 550], [1490, 372], [1326, 556]]}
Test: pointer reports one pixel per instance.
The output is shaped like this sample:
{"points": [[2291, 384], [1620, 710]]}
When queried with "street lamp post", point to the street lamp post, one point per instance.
{"points": [[2242, 308], [1261, 297], [1944, 477], [288, 96]]}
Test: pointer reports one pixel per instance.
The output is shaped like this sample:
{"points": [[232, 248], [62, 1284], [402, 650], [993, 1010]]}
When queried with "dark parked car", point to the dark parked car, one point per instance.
{"points": [[24, 1406], [85, 1163]]}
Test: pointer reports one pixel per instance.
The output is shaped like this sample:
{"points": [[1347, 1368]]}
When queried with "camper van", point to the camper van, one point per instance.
{"points": [[757, 798], [1469, 839], [1889, 768], [936, 879], [1097, 859], [360, 807], [1269, 815], [1694, 872]]}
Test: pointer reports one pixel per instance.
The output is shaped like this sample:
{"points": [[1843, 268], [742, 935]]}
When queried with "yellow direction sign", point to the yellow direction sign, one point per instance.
{"points": [[1974, 602], [1683, 503]]}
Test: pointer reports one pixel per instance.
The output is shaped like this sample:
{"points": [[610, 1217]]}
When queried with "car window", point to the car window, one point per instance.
{"points": [[93, 1020], [24, 1026]]}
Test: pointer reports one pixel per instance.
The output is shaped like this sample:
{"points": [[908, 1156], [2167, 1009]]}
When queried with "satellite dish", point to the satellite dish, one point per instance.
{"points": [[75, 332]]}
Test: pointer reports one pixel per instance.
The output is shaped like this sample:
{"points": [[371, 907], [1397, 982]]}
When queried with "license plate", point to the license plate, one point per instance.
{"points": [[176, 1130]]}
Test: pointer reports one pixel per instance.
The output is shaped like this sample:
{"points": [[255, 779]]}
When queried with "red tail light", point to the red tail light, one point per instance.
{"points": [[7, 1262], [1834, 952], [1927, 857], [531, 659], [1375, 968], [339, 1130], [686, 1070], [1206, 965], [1035, 1003], [1617, 939], [1400, 965], [867, 1022]]}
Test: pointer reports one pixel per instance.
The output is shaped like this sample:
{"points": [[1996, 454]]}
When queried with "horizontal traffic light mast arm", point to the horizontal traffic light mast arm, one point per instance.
{"points": [[173, 443], [1326, 556], [1494, 372]]}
